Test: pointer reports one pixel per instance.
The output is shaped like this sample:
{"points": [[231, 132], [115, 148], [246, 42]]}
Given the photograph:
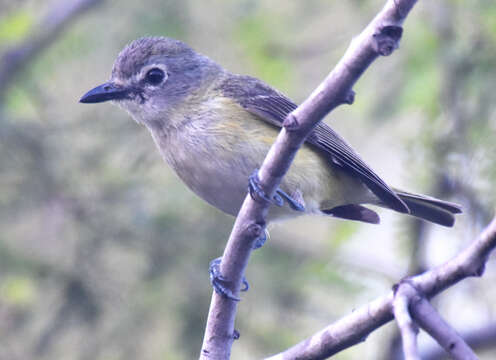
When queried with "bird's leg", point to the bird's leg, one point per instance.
{"points": [[220, 284], [258, 194]]}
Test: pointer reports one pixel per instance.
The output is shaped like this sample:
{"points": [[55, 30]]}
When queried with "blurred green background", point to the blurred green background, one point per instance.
{"points": [[104, 252]]}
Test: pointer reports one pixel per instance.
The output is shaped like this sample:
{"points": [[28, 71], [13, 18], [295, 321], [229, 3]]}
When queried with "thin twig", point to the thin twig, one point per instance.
{"points": [[380, 37], [408, 328], [429, 319], [42, 35], [344, 333], [480, 338]]}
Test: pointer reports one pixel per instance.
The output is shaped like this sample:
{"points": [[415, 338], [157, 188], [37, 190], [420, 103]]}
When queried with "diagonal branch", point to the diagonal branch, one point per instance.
{"points": [[429, 319], [380, 37], [481, 338], [409, 300], [408, 328], [358, 325], [43, 34]]}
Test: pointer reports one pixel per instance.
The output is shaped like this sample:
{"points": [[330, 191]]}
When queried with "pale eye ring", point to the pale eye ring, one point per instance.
{"points": [[154, 76]]}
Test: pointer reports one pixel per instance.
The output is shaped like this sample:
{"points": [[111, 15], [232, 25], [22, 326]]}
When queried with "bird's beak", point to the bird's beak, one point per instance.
{"points": [[104, 92]]}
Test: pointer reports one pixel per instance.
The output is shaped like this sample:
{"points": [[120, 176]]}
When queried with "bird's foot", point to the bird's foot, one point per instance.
{"points": [[258, 194], [295, 205], [220, 283], [260, 241]]}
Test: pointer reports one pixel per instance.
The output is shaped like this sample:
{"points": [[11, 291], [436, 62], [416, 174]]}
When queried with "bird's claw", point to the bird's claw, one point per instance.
{"points": [[260, 241], [258, 194], [295, 205], [220, 283]]}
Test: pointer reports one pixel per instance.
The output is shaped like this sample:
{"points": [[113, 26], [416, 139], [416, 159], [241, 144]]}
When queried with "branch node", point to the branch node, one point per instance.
{"points": [[387, 39], [475, 269], [480, 270], [254, 230], [350, 97], [291, 123], [395, 288]]}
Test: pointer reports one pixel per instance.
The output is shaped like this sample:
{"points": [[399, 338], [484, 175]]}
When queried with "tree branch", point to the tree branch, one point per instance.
{"points": [[429, 319], [481, 338], [358, 325], [43, 34], [380, 37], [408, 328]]}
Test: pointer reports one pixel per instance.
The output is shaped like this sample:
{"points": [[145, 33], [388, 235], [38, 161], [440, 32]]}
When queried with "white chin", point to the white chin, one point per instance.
{"points": [[132, 109]]}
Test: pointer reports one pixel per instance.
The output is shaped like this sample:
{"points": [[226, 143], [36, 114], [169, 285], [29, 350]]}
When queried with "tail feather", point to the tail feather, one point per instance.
{"points": [[446, 205], [430, 209]]}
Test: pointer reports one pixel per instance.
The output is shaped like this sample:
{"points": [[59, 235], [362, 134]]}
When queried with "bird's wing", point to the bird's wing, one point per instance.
{"points": [[273, 107]]}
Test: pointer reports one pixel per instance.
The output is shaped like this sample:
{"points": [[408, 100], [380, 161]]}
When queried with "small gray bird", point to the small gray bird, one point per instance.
{"points": [[214, 129]]}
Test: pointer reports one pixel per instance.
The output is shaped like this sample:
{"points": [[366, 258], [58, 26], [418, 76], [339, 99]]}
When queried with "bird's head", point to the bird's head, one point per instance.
{"points": [[153, 75]]}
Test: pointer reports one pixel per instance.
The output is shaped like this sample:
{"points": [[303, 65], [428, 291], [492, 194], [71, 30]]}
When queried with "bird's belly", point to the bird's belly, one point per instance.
{"points": [[223, 188], [215, 172], [216, 166], [223, 181]]}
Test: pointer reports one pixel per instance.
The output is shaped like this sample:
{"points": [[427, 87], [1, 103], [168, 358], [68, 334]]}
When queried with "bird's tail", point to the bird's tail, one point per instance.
{"points": [[429, 208]]}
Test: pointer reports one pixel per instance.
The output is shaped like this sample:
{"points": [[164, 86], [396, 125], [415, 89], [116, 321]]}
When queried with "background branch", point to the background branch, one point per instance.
{"points": [[408, 329], [481, 338], [358, 325], [429, 319], [43, 34]]}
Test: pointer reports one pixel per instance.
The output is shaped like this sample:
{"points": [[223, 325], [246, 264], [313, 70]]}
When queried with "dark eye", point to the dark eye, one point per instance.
{"points": [[154, 76]]}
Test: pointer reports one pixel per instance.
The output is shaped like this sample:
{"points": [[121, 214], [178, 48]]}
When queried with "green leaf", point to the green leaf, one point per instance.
{"points": [[17, 290], [15, 26]]}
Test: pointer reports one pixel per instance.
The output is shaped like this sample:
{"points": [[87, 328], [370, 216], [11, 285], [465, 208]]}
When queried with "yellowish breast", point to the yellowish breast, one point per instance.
{"points": [[221, 144]]}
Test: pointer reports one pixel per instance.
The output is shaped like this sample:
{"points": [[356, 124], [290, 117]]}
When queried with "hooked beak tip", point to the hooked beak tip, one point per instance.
{"points": [[104, 92]]}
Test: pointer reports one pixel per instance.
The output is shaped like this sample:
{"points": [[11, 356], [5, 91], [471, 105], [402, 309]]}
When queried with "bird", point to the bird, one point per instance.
{"points": [[214, 128]]}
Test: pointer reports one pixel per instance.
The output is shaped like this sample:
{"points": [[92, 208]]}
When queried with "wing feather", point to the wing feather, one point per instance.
{"points": [[273, 107]]}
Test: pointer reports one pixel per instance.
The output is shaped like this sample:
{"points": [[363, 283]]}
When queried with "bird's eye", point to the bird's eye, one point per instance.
{"points": [[154, 76]]}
